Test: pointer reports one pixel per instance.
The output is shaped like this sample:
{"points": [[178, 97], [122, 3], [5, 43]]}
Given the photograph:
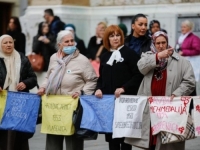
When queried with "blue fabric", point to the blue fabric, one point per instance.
{"points": [[135, 44], [21, 112], [98, 113]]}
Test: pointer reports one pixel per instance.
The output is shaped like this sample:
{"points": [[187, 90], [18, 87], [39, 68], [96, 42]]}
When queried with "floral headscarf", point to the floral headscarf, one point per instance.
{"points": [[162, 62]]}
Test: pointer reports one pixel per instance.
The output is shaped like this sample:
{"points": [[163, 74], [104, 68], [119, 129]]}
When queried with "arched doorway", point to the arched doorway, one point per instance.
{"points": [[5, 14]]}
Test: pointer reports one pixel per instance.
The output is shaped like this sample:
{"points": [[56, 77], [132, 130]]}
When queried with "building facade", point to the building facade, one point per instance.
{"points": [[86, 14]]}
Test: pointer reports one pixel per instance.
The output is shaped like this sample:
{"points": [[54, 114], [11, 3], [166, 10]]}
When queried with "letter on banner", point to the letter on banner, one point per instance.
{"points": [[57, 111], [167, 115], [196, 101], [97, 113], [3, 96], [128, 116], [21, 112]]}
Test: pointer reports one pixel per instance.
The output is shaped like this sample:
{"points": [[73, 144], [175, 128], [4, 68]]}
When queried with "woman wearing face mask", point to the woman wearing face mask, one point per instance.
{"points": [[137, 40], [119, 74], [160, 67], [69, 73], [44, 43]]}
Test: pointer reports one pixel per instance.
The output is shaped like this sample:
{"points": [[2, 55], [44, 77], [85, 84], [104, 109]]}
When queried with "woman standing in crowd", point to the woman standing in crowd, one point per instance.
{"points": [[15, 31], [137, 40], [188, 42], [16, 74], [79, 42], [96, 42], [165, 74], [77, 76], [189, 45], [154, 26], [44, 43], [118, 74]]}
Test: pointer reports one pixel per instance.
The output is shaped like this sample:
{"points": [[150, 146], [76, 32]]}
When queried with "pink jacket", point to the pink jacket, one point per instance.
{"points": [[191, 45]]}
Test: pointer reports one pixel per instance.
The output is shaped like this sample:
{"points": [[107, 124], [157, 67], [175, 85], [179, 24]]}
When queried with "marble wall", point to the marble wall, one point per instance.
{"points": [[135, 2], [86, 18]]}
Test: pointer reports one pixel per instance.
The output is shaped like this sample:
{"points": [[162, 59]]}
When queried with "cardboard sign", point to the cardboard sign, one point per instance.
{"points": [[167, 115], [128, 116], [57, 111], [97, 113], [21, 112]]}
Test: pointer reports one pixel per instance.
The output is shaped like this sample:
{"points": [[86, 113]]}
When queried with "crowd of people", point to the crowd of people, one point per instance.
{"points": [[142, 63]]}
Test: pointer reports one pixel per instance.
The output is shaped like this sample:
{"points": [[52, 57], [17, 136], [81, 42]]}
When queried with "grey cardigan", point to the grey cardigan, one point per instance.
{"points": [[180, 82]]}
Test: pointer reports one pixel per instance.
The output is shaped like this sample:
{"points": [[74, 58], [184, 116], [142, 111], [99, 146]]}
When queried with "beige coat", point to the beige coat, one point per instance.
{"points": [[79, 75], [180, 82]]}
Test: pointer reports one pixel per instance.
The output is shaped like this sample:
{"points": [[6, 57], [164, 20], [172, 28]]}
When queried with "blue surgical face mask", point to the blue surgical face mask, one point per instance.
{"points": [[69, 49]]}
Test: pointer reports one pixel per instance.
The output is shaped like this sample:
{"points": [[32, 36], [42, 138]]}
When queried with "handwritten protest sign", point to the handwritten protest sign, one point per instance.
{"points": [[57, 113], [3, 96], [167, 115], [21, 112], [128, 116], [97, 113], [196, 101]]}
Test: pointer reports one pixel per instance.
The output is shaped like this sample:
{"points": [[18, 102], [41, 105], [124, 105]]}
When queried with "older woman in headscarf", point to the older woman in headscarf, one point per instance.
{"points": [[16, 74], [69, 73], [166, 73]]}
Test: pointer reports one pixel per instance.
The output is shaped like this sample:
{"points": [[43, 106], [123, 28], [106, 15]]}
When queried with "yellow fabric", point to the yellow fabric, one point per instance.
{"points": [[57, 111], [3, 96]]}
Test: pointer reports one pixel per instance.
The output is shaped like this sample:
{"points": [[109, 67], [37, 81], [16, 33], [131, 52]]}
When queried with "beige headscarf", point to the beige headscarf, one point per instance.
{"points": [[13, 65]]}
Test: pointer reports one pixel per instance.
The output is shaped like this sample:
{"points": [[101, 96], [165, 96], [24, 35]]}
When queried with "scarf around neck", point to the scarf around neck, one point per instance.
{"points": [[13, 66], [182, 38], [116, 55], [55, 78]]}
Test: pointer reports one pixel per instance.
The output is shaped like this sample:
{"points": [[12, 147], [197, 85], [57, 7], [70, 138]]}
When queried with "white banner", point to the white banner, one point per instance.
{"points": [[128, 116], [167, 115], [194, 60], [196, 101]]}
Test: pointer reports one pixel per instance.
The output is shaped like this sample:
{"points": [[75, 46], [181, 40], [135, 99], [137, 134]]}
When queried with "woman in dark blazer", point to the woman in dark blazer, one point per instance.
{"points": [[138, 41], [118, 74]]}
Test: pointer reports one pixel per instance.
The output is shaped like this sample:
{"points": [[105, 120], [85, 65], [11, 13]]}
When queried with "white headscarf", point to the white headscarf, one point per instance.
{"points": [[13, 65]]}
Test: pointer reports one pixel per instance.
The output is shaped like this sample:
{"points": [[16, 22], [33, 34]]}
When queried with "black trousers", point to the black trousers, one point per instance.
{"points": [[118, 144]]}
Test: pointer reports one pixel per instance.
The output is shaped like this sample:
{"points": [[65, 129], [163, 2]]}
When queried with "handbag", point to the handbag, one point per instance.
{"points": [[167, 137], [37, 62], [81, 133]]}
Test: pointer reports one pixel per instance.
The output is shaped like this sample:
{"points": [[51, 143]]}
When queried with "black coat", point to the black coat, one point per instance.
{"points": [[27, 75], [93, 48], [145, 45], [56, 25], [81, 46], [19, 40], [46, 50], [122, 74]]}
